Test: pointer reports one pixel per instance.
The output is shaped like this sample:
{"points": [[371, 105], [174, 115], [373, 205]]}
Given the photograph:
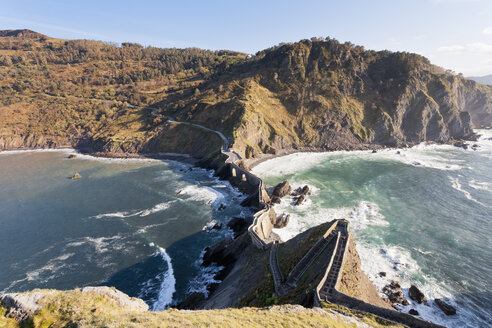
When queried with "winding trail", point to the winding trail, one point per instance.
{"points": [[232, 156]]}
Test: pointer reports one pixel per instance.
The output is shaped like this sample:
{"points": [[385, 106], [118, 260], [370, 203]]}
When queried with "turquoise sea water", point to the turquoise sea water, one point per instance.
{"points": [[133, 224], [422, 215]]}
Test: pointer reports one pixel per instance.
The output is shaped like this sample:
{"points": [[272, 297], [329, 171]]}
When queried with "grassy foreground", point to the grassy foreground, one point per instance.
{"points": [[77, 309]]}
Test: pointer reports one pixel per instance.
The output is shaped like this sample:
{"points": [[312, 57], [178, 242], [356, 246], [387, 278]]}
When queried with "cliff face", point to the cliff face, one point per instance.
{"points": [[327, 95], [314, 94]]}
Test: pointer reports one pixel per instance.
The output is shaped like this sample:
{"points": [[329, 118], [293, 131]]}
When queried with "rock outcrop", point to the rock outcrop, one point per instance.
{"points": [[445, 307], [415, 294], [395, 293], [22, 306]]}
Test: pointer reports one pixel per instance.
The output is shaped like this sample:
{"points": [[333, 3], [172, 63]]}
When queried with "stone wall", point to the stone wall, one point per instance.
{"points": [[262, 224], [359, 305]]}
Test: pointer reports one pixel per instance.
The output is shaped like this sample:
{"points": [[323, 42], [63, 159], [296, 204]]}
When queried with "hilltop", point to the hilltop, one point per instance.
{"points": [[313, 94]]}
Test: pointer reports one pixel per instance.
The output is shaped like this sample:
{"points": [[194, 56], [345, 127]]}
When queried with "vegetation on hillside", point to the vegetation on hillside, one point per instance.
{"points": [[76, 309], [313, 94]]}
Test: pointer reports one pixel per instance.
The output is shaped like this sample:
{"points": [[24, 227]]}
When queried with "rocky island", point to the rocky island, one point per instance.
{"points": [[229, 111]]}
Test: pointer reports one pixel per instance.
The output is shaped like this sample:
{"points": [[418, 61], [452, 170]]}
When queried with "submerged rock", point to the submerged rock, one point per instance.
{"points": [[445, 307], [416, 295]]}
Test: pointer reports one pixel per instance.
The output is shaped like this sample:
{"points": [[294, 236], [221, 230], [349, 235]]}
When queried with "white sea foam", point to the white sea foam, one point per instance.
{"points": [[487, 186], [204, 278], [422, 155], [48, 150], [361, 216], [101, 244], [200, 193], [168, 284], [157, 208], [399, 265], [131, 213], [455, 182]]}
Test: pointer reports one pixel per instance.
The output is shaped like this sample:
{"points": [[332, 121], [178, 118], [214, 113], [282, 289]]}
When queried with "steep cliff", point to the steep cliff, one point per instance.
{"points": [[313, 94], [326, 95]]}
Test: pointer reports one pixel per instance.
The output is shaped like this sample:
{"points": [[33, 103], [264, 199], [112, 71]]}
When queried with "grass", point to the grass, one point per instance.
{"points": [[370, 319], [76, 309]]}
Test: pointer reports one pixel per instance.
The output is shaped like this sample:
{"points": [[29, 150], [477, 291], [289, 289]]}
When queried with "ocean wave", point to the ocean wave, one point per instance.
{"points": [[168, 284], [487, 186], [48, 150], [399, 265], [131, 213], [204, 278], [362, 215], [101, 244], [455, 183], [421, 155]]}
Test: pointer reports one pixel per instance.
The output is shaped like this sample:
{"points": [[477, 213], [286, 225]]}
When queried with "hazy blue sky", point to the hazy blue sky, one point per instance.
{"points": [[455, 34]]}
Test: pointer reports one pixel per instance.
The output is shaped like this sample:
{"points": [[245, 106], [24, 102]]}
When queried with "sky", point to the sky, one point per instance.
{"points": [[454, 34]]}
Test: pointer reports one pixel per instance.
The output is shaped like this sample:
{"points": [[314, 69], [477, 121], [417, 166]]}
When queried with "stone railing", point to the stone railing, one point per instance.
{"points": [[301, 266], [262, 225], [332, 295]]}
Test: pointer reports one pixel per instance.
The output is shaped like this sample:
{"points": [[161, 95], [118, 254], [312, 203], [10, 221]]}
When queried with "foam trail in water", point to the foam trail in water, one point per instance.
{"points": [[168, 284], [455, 182], [126, 214]]}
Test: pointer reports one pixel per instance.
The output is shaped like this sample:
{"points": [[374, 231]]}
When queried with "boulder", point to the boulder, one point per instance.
{"points": [[301, 191], [445, 307], [72, 156], [281, 221], [21, 306], [275, 200], [76, 176], [461, 143], [413, 312], [282, 189], [374, 151], [415, 294], [382, 274], [395, 293], [299, 200], [222, 207]]}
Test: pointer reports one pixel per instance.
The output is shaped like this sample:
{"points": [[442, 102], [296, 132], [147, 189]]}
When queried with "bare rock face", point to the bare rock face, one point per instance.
{"points": [[416, 295], [445, 307], [282, 189], [21, 306]]}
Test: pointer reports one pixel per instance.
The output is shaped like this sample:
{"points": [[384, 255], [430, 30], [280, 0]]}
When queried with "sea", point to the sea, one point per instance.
{"points": [[140, 225], [421, 215]]}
